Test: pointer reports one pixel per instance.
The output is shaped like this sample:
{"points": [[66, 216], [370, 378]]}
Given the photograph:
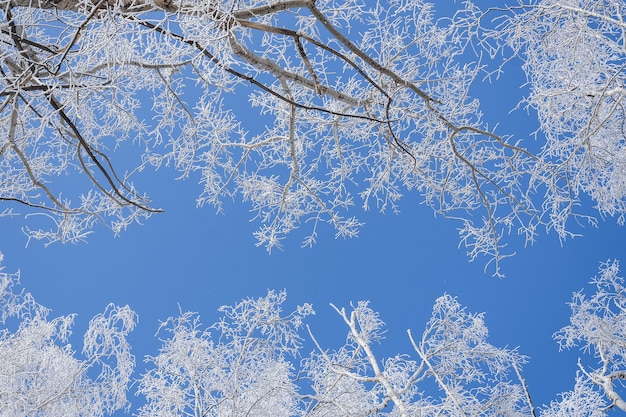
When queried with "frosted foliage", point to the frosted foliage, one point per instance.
{"points": [[583, 401], [598, 326], [348, 104], [305, 109], [476, 376], [237, 367], [40, 373], [257, 359], [574, 58], [472, 377], [246, 364]]}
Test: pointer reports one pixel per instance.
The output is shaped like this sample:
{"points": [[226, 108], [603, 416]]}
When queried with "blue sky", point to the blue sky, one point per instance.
{"points": [[401, 263]]}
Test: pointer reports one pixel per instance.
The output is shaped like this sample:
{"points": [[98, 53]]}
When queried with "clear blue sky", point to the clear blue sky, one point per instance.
{"points": [[402, 263]]}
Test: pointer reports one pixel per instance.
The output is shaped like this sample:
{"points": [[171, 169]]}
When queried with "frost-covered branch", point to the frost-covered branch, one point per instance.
{"points": [[254, 360], [41, 373], [155, 81], [597, 325]]}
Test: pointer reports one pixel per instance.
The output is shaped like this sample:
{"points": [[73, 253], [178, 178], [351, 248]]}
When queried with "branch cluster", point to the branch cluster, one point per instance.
{"points": [[257, 359], [355, 104]]}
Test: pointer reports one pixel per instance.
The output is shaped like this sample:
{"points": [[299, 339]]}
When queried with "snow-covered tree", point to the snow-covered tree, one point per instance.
{"points": [[360, 101], [257, 359], [598, 326], [239, 366], [573, 54], [40, 374], [353, 102], [247, 364], [251, 362]]}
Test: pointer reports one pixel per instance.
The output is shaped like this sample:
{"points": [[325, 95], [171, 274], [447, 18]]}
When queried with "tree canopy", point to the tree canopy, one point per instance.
{"points": [[253, 361], [304, 109]]}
